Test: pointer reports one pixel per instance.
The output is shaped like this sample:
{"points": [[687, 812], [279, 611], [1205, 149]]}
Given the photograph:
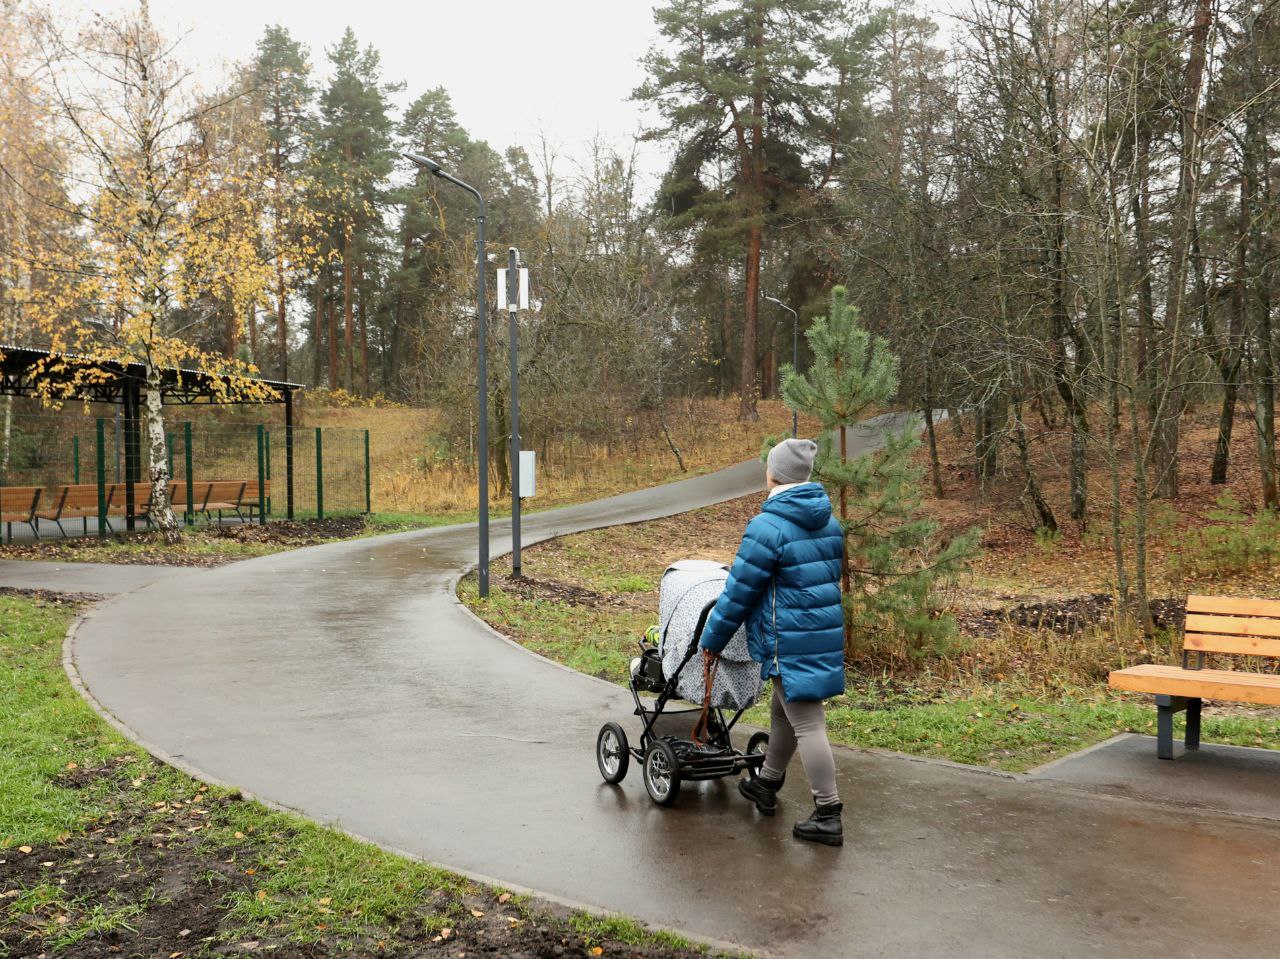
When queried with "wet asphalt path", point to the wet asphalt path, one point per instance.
{"points": [[347, 682]]}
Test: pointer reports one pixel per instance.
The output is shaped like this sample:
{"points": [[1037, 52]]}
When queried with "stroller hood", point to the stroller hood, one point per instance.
{"points": [[689, 590]]}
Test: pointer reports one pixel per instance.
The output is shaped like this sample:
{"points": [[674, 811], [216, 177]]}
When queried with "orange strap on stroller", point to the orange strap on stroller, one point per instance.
{"points": [[709, 666]]}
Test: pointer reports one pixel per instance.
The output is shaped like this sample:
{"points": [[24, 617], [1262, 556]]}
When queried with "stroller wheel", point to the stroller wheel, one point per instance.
{"points": [[612, 754], [757, 745], [661, 773]]}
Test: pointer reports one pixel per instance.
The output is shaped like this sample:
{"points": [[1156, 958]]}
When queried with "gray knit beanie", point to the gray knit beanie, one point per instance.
{"points": [[791, 461]]}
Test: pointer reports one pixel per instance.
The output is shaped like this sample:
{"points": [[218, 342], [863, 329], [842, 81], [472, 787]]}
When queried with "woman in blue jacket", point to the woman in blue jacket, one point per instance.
{"points": [[785, 585]]}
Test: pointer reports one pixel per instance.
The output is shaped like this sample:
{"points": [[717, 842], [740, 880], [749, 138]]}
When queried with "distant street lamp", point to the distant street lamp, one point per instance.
{"points": [[482, 390], [795, 354]]}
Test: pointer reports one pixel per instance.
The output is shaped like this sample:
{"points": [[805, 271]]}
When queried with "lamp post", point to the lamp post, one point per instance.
{"points": [[482, 337], [795, 354]]}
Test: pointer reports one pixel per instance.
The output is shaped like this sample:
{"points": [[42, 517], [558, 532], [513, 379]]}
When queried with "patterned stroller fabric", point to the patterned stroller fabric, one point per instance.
{"points": [[689, 589]]}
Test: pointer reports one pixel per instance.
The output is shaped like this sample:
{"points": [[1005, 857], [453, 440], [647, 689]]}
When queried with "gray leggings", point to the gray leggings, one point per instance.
{"points": [[802, 725]]}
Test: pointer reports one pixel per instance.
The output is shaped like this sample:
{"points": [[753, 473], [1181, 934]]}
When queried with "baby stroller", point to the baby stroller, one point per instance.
{"points": [[667, 759]]}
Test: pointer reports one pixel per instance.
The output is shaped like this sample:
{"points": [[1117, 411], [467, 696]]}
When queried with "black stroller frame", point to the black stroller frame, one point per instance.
{"points": [[667, 761]]}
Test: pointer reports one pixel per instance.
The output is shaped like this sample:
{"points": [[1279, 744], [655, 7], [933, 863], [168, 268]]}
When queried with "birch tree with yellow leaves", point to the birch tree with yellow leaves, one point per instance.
{"points": [[168, 212]]}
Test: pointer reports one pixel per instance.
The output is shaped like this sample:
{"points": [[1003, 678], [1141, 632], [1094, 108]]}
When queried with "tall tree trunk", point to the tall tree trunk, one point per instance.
{"points": [[333, 345], [1065, 369], [282, 325], [935, 467], [1229, 359], [753, 170], [1171, 402], [348, 310], [750, 317], [364, 335], [251, 321], [317, 332], [158, 459], [1257, 203]]}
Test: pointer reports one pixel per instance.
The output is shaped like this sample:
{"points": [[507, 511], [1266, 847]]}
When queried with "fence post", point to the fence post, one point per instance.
{"points": [[319, 474], [186, 456], [368, 484], [268, 498], [102, 477], [262, 477], [75, 459]]}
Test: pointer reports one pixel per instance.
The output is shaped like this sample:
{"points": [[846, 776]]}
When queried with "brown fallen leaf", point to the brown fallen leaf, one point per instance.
{"points": [[505, 897], [477, 913], [262, 895], [71, 766], [597, 951]]}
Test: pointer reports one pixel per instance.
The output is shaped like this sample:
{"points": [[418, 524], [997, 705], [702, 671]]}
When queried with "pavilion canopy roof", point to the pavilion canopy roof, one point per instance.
{"points": [[22, 368]]}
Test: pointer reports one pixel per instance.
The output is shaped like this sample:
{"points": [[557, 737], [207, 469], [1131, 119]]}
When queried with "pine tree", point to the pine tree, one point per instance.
{"points": [[757, 93], [283, 95], [354, 143], [893, 559]]}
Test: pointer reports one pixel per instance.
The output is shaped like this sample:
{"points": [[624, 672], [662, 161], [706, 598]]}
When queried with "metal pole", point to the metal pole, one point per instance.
{"points": [[262, 477], [368, 482], [102, 477], [288, 452], [482, 335], [513, 299], [187, 458], [267, 499], [319, 474]]}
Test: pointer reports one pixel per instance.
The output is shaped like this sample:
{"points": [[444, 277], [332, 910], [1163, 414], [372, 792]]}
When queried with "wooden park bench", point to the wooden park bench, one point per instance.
{"points": [[1219, 625], [255, 499], [199, 495], [77, 501], [225, 495], [18, 504]]}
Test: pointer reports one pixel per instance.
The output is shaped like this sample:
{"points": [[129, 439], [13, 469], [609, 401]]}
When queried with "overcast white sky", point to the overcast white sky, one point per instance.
{"points": [[565, 66]]}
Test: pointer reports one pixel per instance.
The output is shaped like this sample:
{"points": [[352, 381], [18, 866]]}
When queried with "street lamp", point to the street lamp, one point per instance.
{"points": [[482, 337], [795, 354]]}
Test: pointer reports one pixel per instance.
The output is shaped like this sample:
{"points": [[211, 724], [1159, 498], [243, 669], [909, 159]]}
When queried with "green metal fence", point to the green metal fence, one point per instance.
{"points": [[312, 473]]}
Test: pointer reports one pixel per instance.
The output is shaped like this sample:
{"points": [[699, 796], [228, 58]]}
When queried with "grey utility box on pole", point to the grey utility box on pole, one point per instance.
{"points": [[513, 293]]}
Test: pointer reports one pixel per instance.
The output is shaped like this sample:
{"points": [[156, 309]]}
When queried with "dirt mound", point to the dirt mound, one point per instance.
{"points": [[1066, 616]]}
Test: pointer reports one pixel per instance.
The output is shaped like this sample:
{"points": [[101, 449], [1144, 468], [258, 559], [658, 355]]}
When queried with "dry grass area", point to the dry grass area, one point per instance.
{"points": [[1017, 563], [411, 473]]}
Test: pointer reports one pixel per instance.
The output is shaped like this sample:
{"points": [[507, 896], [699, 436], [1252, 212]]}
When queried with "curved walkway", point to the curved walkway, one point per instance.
{"points": [[347, 682]]}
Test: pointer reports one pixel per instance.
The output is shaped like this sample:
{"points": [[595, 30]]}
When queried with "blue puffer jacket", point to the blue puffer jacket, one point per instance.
{"points": [[785, 584]]}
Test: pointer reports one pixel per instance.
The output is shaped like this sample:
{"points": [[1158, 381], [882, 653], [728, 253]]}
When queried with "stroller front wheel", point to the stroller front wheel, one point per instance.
{"points": [[661, 773], [757, 745], [612, 754]]}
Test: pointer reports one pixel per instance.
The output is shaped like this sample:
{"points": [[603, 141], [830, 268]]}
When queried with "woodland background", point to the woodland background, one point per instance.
{"points": [[1060, 214]]}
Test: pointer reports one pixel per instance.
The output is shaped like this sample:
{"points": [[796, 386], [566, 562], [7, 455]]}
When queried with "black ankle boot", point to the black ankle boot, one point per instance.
{"points": [[763, 792], [823, 826]]}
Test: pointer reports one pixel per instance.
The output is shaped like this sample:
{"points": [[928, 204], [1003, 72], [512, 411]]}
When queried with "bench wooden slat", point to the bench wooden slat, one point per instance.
{"points": [[1227, 684], [1234, 645], [1233, 625], [18, 503], [73, 501], [1233, 606]]}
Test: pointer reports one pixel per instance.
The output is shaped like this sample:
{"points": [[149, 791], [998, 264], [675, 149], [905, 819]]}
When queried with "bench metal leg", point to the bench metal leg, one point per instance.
{"points": [[1192, 739], [1166, 706]]}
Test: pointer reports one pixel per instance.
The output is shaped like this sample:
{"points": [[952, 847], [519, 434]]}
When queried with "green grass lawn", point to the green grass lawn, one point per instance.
{"points": [[105, 850], [210, 544]]}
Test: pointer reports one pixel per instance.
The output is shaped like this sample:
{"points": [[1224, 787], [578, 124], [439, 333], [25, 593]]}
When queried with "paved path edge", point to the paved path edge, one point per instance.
{"points": [[164, 756]]}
